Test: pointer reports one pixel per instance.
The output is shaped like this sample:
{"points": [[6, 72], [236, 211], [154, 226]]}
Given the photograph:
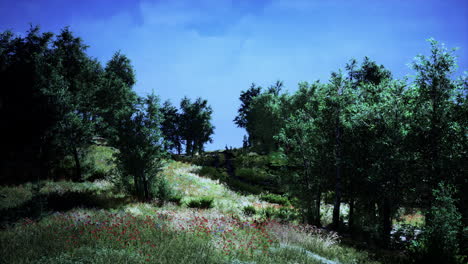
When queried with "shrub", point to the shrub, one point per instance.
{"points": [[439, 242], [213, 173], [274, 198], [249, 210], [201, 203], [162, 190], [244, 187], [282, 214], [251, 160], [176, 198], [98, 162], [253, 175]]}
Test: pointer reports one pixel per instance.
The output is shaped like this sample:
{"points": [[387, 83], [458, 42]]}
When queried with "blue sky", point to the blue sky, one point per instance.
{"points": [[216, 48]]}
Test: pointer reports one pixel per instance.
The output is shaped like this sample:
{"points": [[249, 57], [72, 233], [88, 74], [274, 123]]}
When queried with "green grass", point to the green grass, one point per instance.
{"points": [[147, 233], [15, 196]]}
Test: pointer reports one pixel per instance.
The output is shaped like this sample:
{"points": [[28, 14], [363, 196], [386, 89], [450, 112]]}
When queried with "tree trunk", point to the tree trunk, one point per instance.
{"points": [[317, 208], [77, 164], [337, 203], [146, 192], [351, 215], [386, 222], [189, 148]]}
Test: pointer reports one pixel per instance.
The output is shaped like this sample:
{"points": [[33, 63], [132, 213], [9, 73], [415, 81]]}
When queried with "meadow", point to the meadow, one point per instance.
{"points": [[118, 229]]}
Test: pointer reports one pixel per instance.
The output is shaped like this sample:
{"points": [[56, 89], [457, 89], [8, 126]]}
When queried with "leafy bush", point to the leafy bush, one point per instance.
{"points": [[213, 173], [244, 187], [439, 242], [176, 198], [274, 198], [98, 162], [282, 214], [251, 160], [278, 159], [249, 210], [253, 175], [162, 190], [201, 203]]}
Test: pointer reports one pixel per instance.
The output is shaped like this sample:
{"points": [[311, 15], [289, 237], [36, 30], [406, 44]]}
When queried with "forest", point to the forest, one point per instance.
{"points": [[361, 168]]}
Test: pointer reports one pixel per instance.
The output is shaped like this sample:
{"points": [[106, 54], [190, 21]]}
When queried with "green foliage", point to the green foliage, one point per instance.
{"points": [[249, 210], [439, 241], [201, 203], [98, 162], [252, 175], [213, 173], [15, 196], [282, 214], [163, 191], [140, 146], [171, 127], [264, 121], [195, 124], [244, 187], [251, 160], [275, 198]]}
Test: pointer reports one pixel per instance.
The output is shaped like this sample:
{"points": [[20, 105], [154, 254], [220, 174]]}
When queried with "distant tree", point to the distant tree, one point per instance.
{"points": [[140, 145], [171, 127], [264, 116], [246, 98], [196, 127], [368, 72]]}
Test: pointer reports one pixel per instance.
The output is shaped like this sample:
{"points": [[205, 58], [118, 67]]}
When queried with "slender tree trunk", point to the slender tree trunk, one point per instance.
{"points": [[136, 182], [386, 222], [337, 203], [189, 148], [317, 207], [146, 192], [77, 164], [351, 215]]}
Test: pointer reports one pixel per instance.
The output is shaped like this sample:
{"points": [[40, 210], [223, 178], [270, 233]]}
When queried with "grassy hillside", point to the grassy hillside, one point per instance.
{"points": [[234, 229]]}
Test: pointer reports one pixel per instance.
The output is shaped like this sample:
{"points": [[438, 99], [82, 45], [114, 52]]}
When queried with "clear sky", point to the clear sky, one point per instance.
{"points": [[216, 48]]}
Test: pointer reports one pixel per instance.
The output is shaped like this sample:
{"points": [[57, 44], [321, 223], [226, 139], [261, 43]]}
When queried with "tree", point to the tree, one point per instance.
{"points": [[246, 98], [27, 118], [171, 127], [302, 141], [77, 102], [196, 127], [116, 98], [140, 145]]}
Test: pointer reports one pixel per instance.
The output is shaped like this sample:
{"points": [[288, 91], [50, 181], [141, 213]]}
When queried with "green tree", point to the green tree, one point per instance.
{"points": [[116, 98], [264, 119], [171, 127], [140, 145], [195, 123], [77, 101], [246, 98], [303, 143]]}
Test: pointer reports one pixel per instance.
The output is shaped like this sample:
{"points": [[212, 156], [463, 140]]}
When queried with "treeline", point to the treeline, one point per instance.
{"points": [[56, 101], [376, 143]]}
